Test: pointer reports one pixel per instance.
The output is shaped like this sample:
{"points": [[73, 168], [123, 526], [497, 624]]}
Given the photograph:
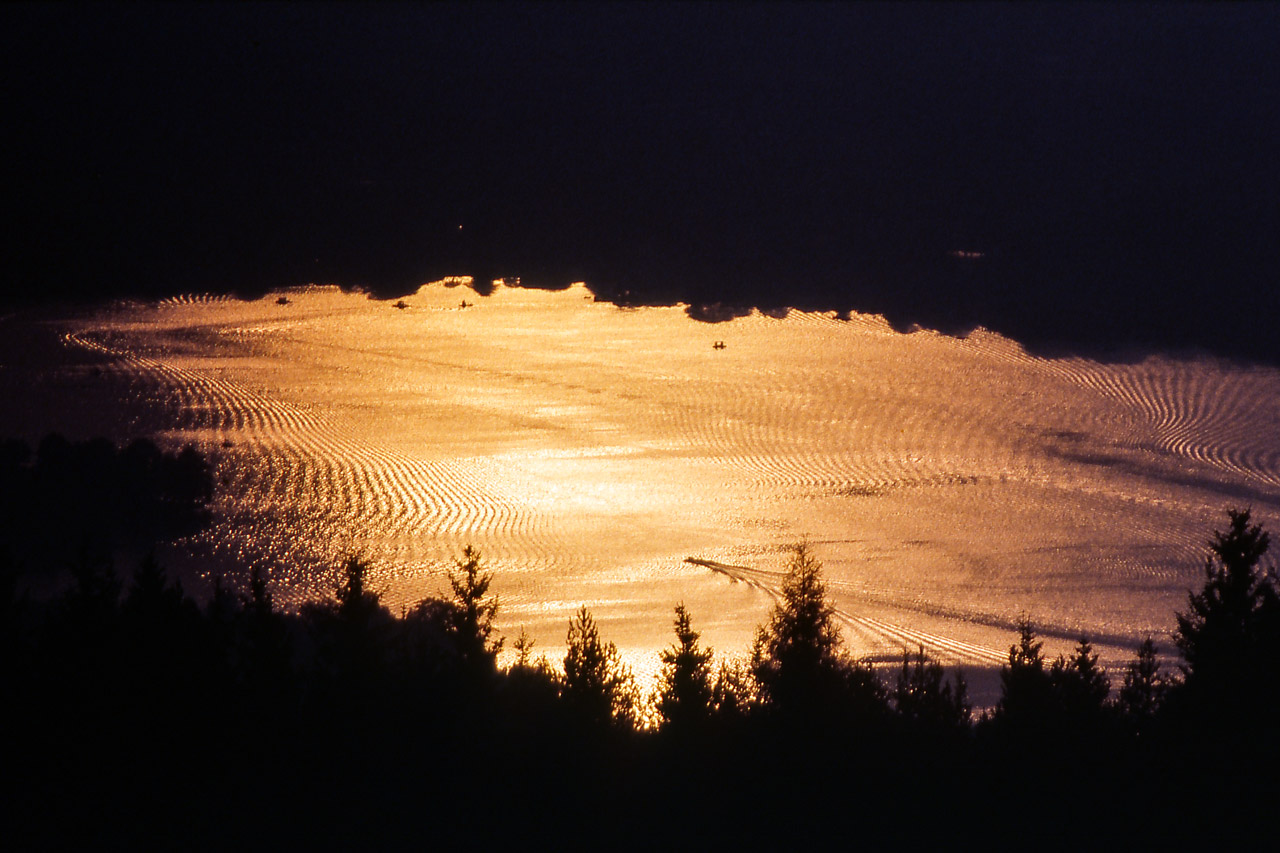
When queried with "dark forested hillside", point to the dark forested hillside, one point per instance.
{"points": [[143, 717]]}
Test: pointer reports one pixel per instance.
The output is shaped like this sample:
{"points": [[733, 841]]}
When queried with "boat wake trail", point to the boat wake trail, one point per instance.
{"points": [[878, 639]]}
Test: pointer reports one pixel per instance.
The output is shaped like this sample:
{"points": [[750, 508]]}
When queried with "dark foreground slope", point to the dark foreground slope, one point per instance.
{"points": [[139, 718]]}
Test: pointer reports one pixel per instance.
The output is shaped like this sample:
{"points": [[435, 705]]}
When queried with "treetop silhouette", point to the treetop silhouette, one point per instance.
{"points": [[685, 690], [1080, 684], [474, 611], [1228, 612], [797, 660], [596, 684], [1229, 636], [923, 696], [1143, 687], [1026, 692]]}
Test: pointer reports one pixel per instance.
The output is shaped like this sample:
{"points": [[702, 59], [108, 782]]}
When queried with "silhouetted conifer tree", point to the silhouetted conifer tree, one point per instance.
{"points": [[220, 621], [472, 624], [685, 689], [797, 654], [354, 602], [164, 631], [526, 668], [596, 684], [733, 694], [353, 629], [151, 598], [523, 646], [531, 693], [924, 697], [429, 640], [1026, 694], [267, 655], [259, 602], [1228, 634], [797, 661], [223, 604], [1080, 685], [455, 638], [1143, 687]]}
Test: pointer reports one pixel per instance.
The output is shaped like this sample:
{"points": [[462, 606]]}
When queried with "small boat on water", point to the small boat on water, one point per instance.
{"points": [[402, 305], [283, 300], [718, 345]]}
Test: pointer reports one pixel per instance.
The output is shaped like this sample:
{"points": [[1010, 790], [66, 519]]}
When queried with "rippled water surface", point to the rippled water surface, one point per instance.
{"points": [[948, 485]]}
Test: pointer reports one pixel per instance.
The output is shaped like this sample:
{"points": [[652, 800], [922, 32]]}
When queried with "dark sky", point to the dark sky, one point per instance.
{"points": [[1116, 165]]}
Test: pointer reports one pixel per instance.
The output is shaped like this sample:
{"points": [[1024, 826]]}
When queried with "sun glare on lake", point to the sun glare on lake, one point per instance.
{"points": [[631, 459]]}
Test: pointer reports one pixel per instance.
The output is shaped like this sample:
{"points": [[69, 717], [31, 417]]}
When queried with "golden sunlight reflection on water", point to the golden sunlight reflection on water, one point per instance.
{"points": [[587, 450]]}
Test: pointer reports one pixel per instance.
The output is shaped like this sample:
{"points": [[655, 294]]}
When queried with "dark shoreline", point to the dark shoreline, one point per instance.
{"points": [[1248, 339], [1092, 180]]}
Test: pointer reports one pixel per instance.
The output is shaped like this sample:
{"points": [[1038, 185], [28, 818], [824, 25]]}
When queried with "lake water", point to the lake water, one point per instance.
{"points": [[948, 485]]}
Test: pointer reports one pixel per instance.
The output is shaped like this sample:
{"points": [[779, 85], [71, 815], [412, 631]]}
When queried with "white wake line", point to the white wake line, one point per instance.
{"points": [[907, 638]]}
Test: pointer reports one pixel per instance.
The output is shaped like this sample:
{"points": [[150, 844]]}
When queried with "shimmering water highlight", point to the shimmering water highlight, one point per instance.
{"points": [[587, 450]]}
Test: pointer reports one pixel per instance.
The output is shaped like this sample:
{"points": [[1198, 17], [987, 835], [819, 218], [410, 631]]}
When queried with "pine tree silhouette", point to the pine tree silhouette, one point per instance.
{"points": [[924, 697], [596, 684], [472, 624], [685, 688], [1229, 636], [797, 661], [796, 656], [1080, 684], [1143, 687], [1026, 694]]}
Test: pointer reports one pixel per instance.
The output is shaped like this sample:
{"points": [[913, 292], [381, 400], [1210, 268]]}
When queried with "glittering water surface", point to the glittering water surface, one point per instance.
{"points": [[948, 485]]}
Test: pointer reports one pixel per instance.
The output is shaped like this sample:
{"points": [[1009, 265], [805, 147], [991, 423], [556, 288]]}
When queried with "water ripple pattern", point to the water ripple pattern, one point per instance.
{"points": [[950, 485]]}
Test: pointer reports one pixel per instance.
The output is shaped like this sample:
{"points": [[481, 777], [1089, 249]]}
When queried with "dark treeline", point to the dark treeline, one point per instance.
{"points": [[66, 496], [141, 717]]}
